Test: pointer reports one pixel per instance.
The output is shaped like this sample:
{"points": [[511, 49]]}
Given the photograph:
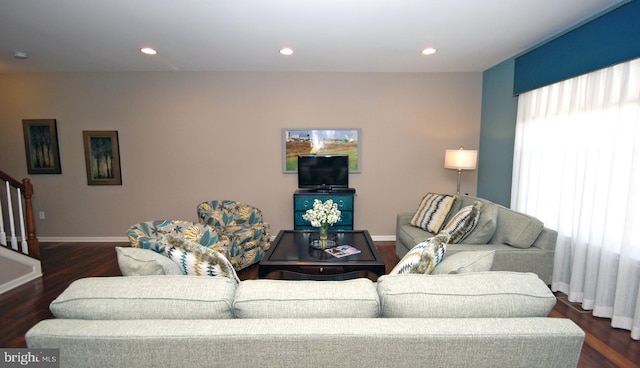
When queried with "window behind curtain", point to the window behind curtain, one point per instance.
{"points": [[577, 168]]}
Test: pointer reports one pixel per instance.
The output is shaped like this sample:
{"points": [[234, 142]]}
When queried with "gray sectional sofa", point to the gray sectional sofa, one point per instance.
{"points": [[521, 242], [483, 319]]}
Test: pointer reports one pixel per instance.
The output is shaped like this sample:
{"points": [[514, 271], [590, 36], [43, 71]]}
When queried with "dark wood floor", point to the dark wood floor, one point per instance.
{"points": [[62, 263]]}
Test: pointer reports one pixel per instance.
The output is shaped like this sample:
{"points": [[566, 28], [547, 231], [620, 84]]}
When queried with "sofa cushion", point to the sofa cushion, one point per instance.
{"points": [[424, 257], [463, 222], [140, 262], [516, 229], [490, 294], [432, 212], [306, 299], [146, 297], [411, 235], [463, 262], [196, 260], [487, 224]]}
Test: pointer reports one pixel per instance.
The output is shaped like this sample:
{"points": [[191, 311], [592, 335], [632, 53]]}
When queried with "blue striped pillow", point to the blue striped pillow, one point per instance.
{"points": [[432, 212]]}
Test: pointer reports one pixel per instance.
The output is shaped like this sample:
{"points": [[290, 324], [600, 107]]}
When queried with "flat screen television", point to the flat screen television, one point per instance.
{"points": [[323, 172]]}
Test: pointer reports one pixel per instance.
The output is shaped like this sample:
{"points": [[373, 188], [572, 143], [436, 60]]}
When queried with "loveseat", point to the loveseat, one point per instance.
{"points": [[480, 319], [521, 242]]}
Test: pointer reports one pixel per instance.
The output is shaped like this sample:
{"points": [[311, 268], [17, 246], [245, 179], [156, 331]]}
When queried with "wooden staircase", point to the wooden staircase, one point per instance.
{"points": [[16, 206]]}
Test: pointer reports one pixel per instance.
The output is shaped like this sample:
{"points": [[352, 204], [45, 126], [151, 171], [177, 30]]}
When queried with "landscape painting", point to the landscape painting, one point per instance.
{"points": [[300, 142]]}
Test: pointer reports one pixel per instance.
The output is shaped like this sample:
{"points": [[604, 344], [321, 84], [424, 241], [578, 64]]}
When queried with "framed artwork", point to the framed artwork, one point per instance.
{"points": [[102, 157], [41, 146], [300, 142]]}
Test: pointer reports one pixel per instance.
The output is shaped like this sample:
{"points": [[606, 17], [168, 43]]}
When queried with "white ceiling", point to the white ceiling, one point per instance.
{"points": [[245, 35]]}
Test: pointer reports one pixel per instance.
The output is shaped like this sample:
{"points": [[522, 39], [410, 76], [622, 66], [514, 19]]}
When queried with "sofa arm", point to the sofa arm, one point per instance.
{"points": [[546, 239], [403, 219], [404, 240]]}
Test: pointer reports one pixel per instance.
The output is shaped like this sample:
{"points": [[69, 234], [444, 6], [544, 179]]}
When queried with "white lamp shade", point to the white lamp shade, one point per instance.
{"points": [[460, 159]]}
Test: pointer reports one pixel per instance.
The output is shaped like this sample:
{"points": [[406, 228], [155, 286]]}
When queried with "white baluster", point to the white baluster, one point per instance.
{"points": [[25, 246], [12, 227], [3, 235]]}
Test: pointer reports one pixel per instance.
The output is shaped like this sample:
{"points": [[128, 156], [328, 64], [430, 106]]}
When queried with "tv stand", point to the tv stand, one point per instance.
{"points": [[343, 197]]}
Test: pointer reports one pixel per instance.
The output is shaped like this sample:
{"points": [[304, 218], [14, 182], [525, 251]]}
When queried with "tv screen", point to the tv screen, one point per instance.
{"points": [[323, 172]]}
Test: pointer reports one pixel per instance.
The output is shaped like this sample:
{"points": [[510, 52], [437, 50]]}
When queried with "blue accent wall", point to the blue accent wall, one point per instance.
{"points": [[497, 134], [615, 33]]}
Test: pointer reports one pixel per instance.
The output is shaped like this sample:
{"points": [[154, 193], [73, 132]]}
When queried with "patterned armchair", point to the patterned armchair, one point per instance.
{"points": [[150, 235], [241, 226]]}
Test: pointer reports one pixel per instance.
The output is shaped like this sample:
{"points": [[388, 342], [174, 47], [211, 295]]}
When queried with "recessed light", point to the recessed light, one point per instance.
{"points": [[148, 51], [286, 51], [20, 55], [429, 51]]}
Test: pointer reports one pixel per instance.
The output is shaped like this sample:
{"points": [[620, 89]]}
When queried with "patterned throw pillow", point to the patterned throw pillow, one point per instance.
{"points": [[463, 222], [424, 257], [432, 212], [142, 262], [194, 259]]}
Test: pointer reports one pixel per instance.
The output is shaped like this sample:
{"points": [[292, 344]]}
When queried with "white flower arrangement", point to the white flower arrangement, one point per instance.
{"points": [[326, 213]]}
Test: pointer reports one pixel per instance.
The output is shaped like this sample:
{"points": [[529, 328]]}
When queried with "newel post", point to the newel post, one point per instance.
{"points": [[32, 240]]}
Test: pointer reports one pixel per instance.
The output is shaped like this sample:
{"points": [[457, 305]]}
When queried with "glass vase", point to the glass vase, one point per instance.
{"points": [[323, 242], [324, 232]]}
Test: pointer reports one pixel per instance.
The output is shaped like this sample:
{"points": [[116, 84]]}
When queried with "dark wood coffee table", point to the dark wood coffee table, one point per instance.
{"points": [[291, 257]]}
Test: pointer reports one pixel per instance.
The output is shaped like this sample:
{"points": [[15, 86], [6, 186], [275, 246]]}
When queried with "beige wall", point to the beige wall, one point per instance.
{"points": [[190, 137]]}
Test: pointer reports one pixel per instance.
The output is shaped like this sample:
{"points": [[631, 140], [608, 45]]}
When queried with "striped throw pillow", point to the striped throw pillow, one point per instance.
{"points": [[463, 222], [432, 212]]}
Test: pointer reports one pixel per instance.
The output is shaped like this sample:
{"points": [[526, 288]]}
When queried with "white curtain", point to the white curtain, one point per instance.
{"points": [[577, 168]]}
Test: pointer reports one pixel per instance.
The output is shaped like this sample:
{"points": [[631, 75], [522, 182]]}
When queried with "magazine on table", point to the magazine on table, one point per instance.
{"points": [[342, 251]]}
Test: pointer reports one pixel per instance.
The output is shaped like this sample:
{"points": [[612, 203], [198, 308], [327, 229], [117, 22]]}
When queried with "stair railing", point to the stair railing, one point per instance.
{"points": [[29, 244]]}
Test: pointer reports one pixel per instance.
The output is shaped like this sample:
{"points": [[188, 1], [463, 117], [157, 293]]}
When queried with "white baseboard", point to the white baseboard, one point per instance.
{"points": [[383, 237], [34, 272]]}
